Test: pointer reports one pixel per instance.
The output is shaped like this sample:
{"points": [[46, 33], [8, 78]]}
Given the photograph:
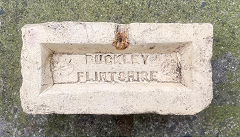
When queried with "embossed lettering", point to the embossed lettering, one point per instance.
{"points": [[115, 68]]}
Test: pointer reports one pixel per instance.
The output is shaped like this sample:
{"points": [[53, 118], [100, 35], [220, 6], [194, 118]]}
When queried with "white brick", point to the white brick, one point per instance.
{"points": [[73, 68]]}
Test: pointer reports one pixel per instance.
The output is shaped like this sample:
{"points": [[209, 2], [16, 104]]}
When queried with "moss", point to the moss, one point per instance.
{"points": [[221, 118]]}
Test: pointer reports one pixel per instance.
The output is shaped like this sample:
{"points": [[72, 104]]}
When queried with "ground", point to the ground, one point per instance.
{"points": [[221, 118]]}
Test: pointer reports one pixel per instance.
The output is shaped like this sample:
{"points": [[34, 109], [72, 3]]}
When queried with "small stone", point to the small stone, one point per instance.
{"points": [[203, 4], [1, 11]]}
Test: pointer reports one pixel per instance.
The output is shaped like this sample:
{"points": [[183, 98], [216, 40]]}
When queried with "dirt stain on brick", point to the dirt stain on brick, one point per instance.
{"points": [[121, 41]]}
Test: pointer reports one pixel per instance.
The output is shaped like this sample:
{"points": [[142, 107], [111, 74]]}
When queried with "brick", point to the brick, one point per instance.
{"points": [[109, 68]]}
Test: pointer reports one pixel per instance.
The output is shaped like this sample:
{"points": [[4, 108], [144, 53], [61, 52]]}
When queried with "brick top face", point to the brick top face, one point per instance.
{"points": [[108, 68]]}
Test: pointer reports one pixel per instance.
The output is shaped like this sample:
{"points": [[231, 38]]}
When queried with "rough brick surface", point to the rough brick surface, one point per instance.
{"points": [[74, 68]]}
